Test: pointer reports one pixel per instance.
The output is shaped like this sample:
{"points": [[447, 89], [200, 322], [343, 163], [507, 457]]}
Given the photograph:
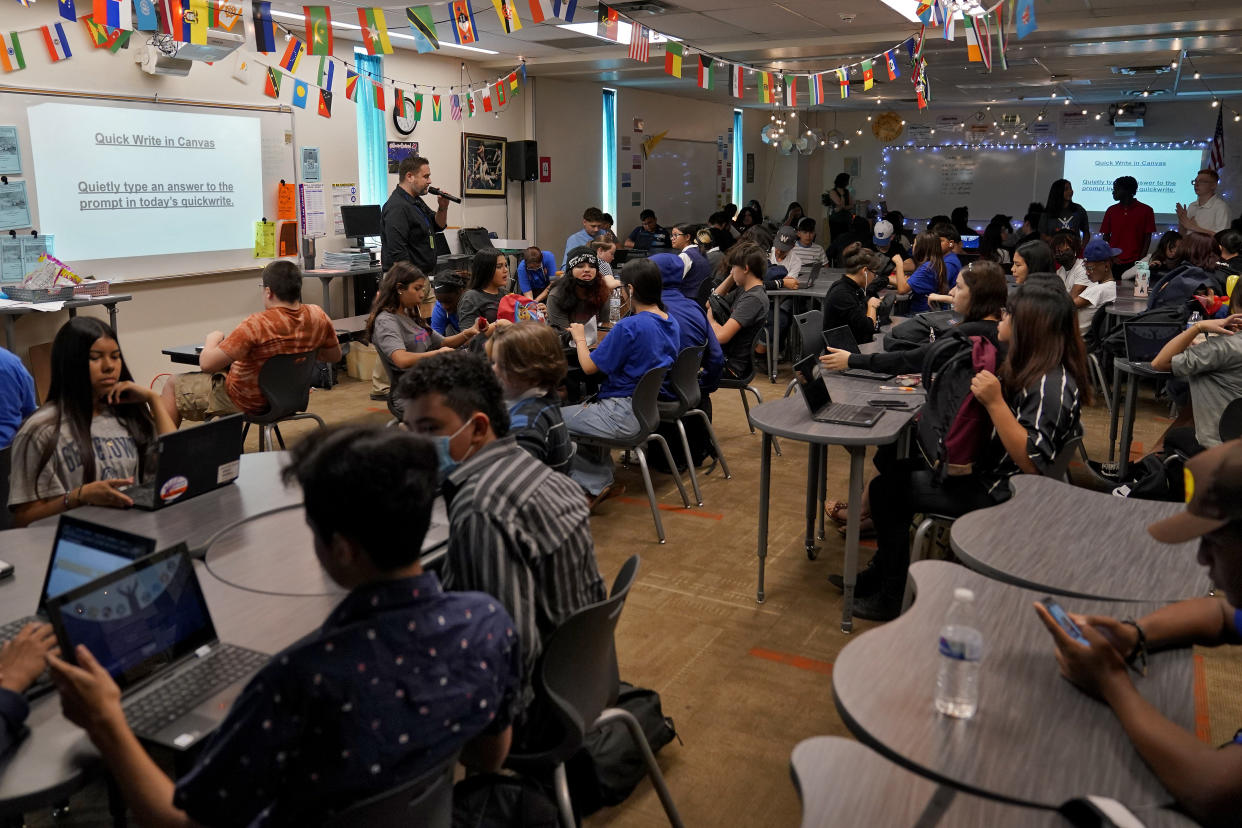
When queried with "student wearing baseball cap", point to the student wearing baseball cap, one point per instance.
{"points": [[1097, 258], [1205, 780], [448, 288]]}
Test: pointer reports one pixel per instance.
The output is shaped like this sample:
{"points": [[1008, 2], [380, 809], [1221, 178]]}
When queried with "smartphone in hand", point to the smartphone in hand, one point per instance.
{"points": [[1063, 620]]}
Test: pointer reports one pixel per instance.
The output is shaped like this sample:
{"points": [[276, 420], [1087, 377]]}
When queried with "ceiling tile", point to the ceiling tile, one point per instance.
{"points": [[694, 26], [765, 20]]}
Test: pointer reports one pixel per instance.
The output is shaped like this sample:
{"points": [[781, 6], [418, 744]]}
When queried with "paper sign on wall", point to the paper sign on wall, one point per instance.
{"points": [[314, 211], [265, 239], [288, 242], [285, 194]]}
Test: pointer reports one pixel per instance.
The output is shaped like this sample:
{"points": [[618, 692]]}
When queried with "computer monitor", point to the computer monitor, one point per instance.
{"points": [[360, 221]]}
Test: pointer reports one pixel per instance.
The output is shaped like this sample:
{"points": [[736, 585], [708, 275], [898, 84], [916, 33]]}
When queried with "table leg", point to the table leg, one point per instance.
{"points": [[765, 475], [854, 515], [112, 315], [812, 492], [1114, 414], [823, 490], [10, 333], [1127, 426], [326, 283], [774, 337], [72, 312], [935, 809]]}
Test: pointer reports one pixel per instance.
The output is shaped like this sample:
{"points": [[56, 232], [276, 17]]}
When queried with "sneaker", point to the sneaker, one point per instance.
{"points": [[867, 583], [877, 607]]}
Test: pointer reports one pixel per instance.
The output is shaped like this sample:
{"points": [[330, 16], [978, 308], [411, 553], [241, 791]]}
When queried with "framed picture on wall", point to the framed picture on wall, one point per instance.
{"points": [[398, 151], [482, 166]]}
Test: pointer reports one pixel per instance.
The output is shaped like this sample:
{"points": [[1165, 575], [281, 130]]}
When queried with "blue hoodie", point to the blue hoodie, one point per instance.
{"points": [[691, 320]]}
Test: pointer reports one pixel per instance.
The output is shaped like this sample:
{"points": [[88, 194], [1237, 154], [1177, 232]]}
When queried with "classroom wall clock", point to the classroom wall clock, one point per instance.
{"points": [[405, 124]]}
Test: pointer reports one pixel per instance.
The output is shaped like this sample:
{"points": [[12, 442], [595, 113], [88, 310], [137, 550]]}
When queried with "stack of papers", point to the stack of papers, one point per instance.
{"points": [[346, 260]]}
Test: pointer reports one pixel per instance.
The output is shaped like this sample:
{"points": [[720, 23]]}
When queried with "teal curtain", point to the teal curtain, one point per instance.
{"points": [[608, 154], [739, 158], [372, 137]]}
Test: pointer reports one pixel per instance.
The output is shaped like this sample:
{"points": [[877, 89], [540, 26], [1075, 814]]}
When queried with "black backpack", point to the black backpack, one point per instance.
{"points": [[473, 239], [1179, 286], [920, 329], [494, 800], [953, 426]]}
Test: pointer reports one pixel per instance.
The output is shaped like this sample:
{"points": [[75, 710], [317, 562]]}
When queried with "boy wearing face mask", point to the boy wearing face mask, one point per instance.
{"points": [[1066, 246], [517, 530]]}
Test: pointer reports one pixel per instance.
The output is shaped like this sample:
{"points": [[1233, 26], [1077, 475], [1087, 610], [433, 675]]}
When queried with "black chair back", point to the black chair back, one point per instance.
{"points": [[6, 517], [683, 377], [426, 802], [647, 400], [810, 332], [285, 381], [1231, 421]]}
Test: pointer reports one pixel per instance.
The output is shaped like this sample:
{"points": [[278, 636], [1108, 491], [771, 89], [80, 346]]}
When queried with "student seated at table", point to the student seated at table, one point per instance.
{"points": [[846, 302], [1097, 258], [1067, 253], [489, 276], [605, 250], [287, 754], [1034, 256], [535, 273], [530, 363], [21, 663], [698, 269], [692, 326], [580, 294], [397, 329], [1205, 779], [517, 530], [1213, 370], [229, 380], [94, 434], [950, 250], [979, 298], [748, 313], [646, 339], [592, 223], [17, 395], [805, 251], [448, 288], [930, 279], [1034, 408], [778, 277], [648, 235]]}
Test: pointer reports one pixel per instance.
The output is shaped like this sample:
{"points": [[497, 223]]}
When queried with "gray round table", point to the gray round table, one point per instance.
{"points": [[1036, 740]]}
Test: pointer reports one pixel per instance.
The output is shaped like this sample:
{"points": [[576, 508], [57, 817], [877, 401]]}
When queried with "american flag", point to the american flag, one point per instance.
{"points": [[1217, 159], [455, 108], [639, 39]]}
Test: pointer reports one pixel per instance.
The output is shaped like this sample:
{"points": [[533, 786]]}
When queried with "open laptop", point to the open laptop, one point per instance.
{"points": [[843, 339], [1145, 339], [191, 462], [819, 401], [149, 626], [807, 274], [81, 552]]}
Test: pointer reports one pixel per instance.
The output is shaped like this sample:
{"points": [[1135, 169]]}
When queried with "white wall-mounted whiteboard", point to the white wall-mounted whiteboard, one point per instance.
{"points": [[681, 181], [133, 187]]}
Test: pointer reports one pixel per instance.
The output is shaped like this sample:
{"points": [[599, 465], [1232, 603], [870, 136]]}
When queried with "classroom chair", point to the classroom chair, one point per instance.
{"points": [[579, 679], [683, 379], [742, 386], [426, 801], [6, 517], [810, 328], [647, 412], [285, 381], [1231, 421]]}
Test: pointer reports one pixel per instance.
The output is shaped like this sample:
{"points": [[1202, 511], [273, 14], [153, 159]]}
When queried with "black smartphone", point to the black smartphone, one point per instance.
{"points": [[1063, 620]]}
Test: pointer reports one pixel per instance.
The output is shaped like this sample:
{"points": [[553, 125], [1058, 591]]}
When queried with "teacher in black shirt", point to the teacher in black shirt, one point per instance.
{"points": [[408, 223]]}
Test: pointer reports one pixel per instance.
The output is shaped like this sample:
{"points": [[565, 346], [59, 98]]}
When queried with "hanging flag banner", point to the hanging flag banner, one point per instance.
{"points": [[609, 23], [264, 28], [194, 22], [398, 102], [104, 38], [114, 14], [325, 73], [226, 15], [868, 70], [11, 57], [736, 82], [507, 12], [487, 99], [472, 103], [1024, 18], [455, 107], [672, 59], [300, 90], [56, 42], [540, 10], [271, 87], [148, 19], [640, 39], [1001, 37], [924, 10], [68, 11], [379, 95], [984, 33], [418, 106], [318, 30], [817, 89], [325, 103], [972, 41], [564, 9], [374, 31], [423, 25], [706, 80], [765, 87], [464, 31], [513, 81], [435, 108], [351, 84], [791, 90], [843, 78], [292, 56], [890, 60]]}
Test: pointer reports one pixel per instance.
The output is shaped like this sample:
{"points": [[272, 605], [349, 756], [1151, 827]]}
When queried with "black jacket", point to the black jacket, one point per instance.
{"points": [[911, 361], [409, 226]]}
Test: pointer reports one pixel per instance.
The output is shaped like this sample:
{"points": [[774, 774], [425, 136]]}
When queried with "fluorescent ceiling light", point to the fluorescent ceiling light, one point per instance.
{"points": [[623, 32], [391, 34]]}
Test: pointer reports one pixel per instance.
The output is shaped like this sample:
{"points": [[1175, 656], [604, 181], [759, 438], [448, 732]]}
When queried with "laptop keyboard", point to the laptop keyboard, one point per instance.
{"points": [[842, 411], [12, 628], [171, 700]]}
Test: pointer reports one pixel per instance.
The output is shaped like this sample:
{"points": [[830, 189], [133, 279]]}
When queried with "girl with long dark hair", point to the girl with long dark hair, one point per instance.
{"points": [[579, 295], [489, 275], [930, 277], [1033, 402], [1034, 256], [1062, 213], [94, 433]]}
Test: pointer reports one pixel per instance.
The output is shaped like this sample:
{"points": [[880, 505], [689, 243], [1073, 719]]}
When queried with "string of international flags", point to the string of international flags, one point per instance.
{"points": [[110, 24]]}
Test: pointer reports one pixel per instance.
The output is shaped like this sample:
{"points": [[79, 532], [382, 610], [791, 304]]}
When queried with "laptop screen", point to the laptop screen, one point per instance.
{"points": [[85, 551], [139, 619], [814, 392], [1144, 340], [970, 242], [841, 338]]}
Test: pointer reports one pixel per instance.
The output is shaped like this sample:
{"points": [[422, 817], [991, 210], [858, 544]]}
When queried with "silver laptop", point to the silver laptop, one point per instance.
{"points": [[819, 402]]}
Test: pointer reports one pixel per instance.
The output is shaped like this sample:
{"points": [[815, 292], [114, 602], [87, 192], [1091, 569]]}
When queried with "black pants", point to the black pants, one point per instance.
{"points": [[1183, 441], [900, 492]]}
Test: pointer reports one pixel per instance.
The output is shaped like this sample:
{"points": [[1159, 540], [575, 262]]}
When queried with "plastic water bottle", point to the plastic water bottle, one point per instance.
{"points": [[1195, 318], [614, 307], [961, 648]]}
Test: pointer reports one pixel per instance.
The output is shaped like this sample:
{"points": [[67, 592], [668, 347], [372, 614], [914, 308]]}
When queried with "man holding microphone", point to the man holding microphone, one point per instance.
{"points": [[409, 224]]}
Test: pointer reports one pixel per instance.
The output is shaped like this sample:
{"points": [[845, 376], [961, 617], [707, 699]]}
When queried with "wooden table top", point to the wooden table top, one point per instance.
{"points": [[1035, 739], [1058, 538]]}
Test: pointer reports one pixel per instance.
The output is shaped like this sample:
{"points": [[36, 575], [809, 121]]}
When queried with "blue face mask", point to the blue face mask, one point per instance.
{"points": [[444, 451]]}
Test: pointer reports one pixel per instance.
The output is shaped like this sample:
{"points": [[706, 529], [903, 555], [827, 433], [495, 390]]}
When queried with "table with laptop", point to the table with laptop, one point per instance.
{"points": [[814, 280], [831, 409], [1071, 540], [1144, 341], [1035, 739]]}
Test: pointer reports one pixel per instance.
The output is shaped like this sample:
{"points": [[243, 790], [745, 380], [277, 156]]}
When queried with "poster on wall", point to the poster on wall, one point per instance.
{"points": [[14, 206], [483, 166], [399, 151], [310, 165], [10, 151]]}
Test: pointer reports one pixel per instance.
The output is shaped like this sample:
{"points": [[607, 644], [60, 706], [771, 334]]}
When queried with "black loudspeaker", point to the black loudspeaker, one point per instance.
{"points": [[522, 160]]}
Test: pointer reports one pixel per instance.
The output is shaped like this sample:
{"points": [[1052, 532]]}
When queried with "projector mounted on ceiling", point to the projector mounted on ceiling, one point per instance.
{"points": [[648, 7], [165, 56], [1127, 116]]}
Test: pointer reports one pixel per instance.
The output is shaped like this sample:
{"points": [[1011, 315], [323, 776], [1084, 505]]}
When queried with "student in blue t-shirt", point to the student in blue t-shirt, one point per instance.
{"points": [[448, 288], [17, 395], [950, 246], [930, 280], [646, 339], [535, 273]]}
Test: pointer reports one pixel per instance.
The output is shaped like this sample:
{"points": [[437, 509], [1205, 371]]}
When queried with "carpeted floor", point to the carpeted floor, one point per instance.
{"points": [[745, 682]]}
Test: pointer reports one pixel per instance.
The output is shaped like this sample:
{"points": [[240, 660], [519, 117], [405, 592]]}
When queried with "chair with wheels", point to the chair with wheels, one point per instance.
{"points": [[285, 381], [683, 379], [579, 679], [647, 412], [426, 801]]}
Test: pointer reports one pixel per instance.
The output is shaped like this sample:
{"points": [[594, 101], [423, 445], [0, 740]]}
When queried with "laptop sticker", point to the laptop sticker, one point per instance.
{"points": [[227, 472], [174, 488]]}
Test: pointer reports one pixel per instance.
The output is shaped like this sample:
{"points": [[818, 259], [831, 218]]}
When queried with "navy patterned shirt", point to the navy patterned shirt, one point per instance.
{"points": [[400, 676]]}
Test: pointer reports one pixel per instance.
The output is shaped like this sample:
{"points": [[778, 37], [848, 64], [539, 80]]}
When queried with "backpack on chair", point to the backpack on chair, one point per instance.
{"points": [[953, 426]]}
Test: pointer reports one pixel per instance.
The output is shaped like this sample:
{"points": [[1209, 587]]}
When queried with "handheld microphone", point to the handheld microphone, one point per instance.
{"points": [[436, 191]]}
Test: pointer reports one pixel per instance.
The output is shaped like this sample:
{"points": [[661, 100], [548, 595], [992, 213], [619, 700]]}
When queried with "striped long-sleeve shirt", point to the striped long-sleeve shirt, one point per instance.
{"points": [[1049, 411], [520, 532]]}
